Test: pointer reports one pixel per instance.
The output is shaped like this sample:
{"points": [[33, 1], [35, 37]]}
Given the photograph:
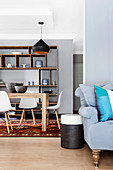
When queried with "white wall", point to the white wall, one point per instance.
{"points": [[67, 18], [98, 41]]}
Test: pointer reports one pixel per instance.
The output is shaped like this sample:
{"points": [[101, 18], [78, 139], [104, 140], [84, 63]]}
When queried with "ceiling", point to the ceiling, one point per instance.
{"points": [[62, 19]]}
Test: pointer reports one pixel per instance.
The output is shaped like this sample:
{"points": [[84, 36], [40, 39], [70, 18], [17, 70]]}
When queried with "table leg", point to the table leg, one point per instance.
{"points": [[45, 101], [7, 122], [47, 112]]}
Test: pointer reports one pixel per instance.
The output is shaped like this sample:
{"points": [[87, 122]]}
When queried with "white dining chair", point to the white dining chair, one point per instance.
{"points": [[5, 106], [56, 107], [28, 103]]}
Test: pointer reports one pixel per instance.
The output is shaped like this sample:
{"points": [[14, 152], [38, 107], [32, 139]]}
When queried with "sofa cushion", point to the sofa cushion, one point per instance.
{"points": [[79, 93], [100, 135], [105, 103], [108, 86], [89, 94]]}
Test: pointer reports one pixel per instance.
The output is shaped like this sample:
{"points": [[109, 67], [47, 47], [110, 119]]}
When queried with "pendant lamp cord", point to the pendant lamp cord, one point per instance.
{"points": [[41, 23], [41, 31]]}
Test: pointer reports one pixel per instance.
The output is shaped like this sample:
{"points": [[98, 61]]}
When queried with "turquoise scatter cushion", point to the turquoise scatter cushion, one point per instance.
{"points": [[104, 103]]}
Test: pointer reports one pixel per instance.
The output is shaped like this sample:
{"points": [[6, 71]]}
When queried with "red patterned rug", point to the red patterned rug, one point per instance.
{"points": [[27, 129]]}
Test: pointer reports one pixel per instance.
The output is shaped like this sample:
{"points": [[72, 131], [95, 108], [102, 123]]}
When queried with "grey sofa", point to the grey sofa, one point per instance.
{"points": [[98, 135]]}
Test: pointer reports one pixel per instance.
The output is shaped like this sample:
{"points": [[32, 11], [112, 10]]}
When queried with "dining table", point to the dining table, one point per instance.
{"points": [[45, 102]]}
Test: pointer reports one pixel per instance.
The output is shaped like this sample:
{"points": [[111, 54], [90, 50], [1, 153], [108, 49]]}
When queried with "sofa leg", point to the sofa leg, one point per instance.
{"points": [[96, 157]]}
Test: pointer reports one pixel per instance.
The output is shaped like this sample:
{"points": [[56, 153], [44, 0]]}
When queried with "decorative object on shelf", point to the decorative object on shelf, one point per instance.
{"points": [[24, 65], [41, 47], [13, 108], [11, 87], [45, 82], [29, 83], [48, 91], [54, 82], [11, 112], [38, 63], [16, 52], [9, 65], [1, 82], [20, 89], [32, 82]]}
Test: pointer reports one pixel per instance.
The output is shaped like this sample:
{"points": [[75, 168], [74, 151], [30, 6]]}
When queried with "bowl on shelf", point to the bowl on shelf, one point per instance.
{"points": [[16, 52], [20, 89], [48, 91], [11, 87]]}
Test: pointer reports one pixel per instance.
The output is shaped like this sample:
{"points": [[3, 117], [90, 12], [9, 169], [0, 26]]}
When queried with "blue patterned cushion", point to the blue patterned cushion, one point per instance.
{"points": [[104, 103]]}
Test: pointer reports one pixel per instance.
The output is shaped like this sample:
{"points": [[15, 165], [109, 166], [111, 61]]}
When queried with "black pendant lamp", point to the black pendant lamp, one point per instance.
{"points": [[40, 47]]}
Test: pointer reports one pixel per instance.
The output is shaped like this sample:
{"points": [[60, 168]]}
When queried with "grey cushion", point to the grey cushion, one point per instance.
{"points": [[108, 86], [89, 94], [79, 93]]}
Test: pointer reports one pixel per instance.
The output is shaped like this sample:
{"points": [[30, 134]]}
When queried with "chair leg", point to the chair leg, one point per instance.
{"points": [[47, 119], [23, 113], [96, 157], [33, 116], [7, 122], [57, 119], [10, 121]]}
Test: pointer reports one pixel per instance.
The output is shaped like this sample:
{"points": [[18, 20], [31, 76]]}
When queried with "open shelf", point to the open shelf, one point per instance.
{"points": [[28, 68], [50, 66], [34, 85]]}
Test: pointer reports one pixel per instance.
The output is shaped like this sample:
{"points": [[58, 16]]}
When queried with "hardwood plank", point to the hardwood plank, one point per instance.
{"points": [[47, 154]]}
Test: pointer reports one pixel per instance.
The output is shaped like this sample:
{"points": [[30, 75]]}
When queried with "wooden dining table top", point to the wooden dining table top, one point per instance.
{"points": [[27, 95]]}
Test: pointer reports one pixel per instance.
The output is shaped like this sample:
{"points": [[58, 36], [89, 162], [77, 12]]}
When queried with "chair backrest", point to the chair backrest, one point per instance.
{"points": [[28, 102], [5, 104], [57, 105], [59, 100]]}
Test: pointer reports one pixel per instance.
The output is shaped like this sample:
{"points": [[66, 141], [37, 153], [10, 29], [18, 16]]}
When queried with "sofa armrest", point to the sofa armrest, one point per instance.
{"points": [[90, 113]]}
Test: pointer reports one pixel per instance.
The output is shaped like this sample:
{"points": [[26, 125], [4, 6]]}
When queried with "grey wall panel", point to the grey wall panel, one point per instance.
{"points": [[77, 78], [98, 41], [65, 63]]}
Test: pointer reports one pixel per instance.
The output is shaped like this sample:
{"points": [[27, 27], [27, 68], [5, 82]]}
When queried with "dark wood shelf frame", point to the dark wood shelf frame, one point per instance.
{"points": [[31, 57]]}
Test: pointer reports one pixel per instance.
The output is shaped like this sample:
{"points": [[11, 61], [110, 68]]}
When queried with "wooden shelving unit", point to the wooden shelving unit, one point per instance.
{"points": [[30, 57]]}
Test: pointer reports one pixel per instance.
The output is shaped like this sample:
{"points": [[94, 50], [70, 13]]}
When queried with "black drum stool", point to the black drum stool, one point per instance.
{"points": [[72, 131]]}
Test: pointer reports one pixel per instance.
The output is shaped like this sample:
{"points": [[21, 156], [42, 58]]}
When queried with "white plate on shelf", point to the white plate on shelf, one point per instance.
{"points": [[16, 52]]}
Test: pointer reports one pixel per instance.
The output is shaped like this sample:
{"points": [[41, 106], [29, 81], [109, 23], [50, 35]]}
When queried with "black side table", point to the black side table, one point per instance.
{"points": [[72, 131]]}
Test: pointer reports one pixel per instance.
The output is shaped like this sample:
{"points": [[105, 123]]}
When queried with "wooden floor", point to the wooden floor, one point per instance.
{"points": [[46, 154]]}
